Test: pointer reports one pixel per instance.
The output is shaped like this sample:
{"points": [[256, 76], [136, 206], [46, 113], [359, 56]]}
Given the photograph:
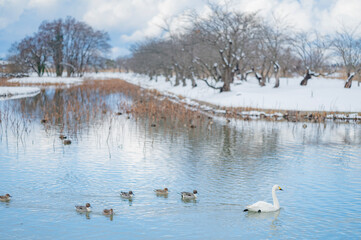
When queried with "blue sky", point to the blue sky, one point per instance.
{"points": [[128, 21]]}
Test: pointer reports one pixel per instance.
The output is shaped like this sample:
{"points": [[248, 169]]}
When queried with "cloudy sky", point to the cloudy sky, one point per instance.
{"points": [[128, 21]]}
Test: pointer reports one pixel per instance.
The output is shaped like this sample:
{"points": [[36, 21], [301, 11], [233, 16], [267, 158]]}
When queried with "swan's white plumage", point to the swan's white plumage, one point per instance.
{"points": [[262, 206]]}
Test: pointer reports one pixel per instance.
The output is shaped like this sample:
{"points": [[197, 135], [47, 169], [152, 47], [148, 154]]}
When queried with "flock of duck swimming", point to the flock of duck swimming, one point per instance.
{"points": [[259, 206]]}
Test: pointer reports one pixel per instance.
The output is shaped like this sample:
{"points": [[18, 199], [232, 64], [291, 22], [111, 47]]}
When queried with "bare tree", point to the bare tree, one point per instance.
{"points": [[31, 53], [347, 46], [221, 30], [53, 37], [68, 44], [273, 39], [311, 48]]}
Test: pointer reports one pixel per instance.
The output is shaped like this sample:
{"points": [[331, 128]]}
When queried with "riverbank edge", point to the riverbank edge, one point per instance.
{"points": [[248, 113]]}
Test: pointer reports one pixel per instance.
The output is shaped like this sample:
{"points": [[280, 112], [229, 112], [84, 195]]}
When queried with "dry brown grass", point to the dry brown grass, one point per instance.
{"points": [[4, 83]]}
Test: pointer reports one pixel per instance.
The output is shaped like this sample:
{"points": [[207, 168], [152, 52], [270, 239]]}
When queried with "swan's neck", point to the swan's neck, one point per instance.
{"points": [[276, 204]]}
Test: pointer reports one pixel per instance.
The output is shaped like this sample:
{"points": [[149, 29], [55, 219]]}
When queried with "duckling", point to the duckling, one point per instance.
{"points": [[161, 191], [108, 212], [86, 208], [5, 198], [62, 137], [188, 195], [127, 195]]}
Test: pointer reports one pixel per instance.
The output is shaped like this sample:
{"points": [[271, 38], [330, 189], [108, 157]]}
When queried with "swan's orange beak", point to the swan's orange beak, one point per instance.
{"points": [[279, 188]]}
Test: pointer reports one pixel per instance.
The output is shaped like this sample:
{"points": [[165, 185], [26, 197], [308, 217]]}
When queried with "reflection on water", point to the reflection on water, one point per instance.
{"points": [[230, 166]]}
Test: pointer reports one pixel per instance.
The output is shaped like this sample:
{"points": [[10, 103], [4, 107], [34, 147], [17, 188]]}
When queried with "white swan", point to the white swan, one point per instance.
{"points": [[264, 206]]}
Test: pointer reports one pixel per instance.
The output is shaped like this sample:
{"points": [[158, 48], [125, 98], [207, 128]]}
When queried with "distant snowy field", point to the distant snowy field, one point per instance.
{"points": [[320, 94]]}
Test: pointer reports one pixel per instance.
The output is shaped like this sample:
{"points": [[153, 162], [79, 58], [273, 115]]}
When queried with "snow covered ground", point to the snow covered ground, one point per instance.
{"points": [[18, 92], [320, 94], [47, 80]]}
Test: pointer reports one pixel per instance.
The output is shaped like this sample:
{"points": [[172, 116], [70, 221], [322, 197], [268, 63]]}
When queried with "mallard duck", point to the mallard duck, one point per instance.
{"points": [[161, 191], [108, 211], [127, 195], [5, 198], [189, 195], [261, 206], [86, 208]]}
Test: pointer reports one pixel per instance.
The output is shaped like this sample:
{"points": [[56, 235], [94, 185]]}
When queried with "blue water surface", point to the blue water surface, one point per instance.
{"points": [[231, 166]]}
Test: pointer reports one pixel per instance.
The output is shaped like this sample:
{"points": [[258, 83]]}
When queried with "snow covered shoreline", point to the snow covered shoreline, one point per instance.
{"points": [[46, 80], [248, 99], [320, 95], [18, 92]]}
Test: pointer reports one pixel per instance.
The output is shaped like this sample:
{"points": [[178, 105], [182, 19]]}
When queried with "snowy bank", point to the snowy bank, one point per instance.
{"points": [[321, 94], [18, 92], [47, 80]]}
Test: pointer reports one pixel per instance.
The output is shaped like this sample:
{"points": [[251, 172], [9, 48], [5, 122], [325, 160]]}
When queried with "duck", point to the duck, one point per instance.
{"points": [[86, 208], [5, 198], [189, 195], [62, 137], [108, 212], [161, 191], [262, 206], [127, 195]]}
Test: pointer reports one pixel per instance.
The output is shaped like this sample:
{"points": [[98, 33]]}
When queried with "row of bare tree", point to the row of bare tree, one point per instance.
{"points": [[227, 45], [61, 45]]}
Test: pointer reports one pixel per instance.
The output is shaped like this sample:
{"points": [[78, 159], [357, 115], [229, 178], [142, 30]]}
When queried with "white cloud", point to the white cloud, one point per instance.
{"points": [[116, 51], [121, 15], [41, 3], [133, 20], [136, 19], [342, 12], [10, 11], [323, 15]]}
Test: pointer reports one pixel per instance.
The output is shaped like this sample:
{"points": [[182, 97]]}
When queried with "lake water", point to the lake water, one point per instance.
{"points": [[231, 166]]}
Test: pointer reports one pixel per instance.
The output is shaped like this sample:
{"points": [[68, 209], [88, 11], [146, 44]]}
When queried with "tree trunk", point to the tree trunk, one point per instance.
{"points": [[177, 77], [184, 81], [348, 83], [306, 78], [259, 78], [59, 70], [194, 84], [277, 83], [276, 68], [226, 80]]}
